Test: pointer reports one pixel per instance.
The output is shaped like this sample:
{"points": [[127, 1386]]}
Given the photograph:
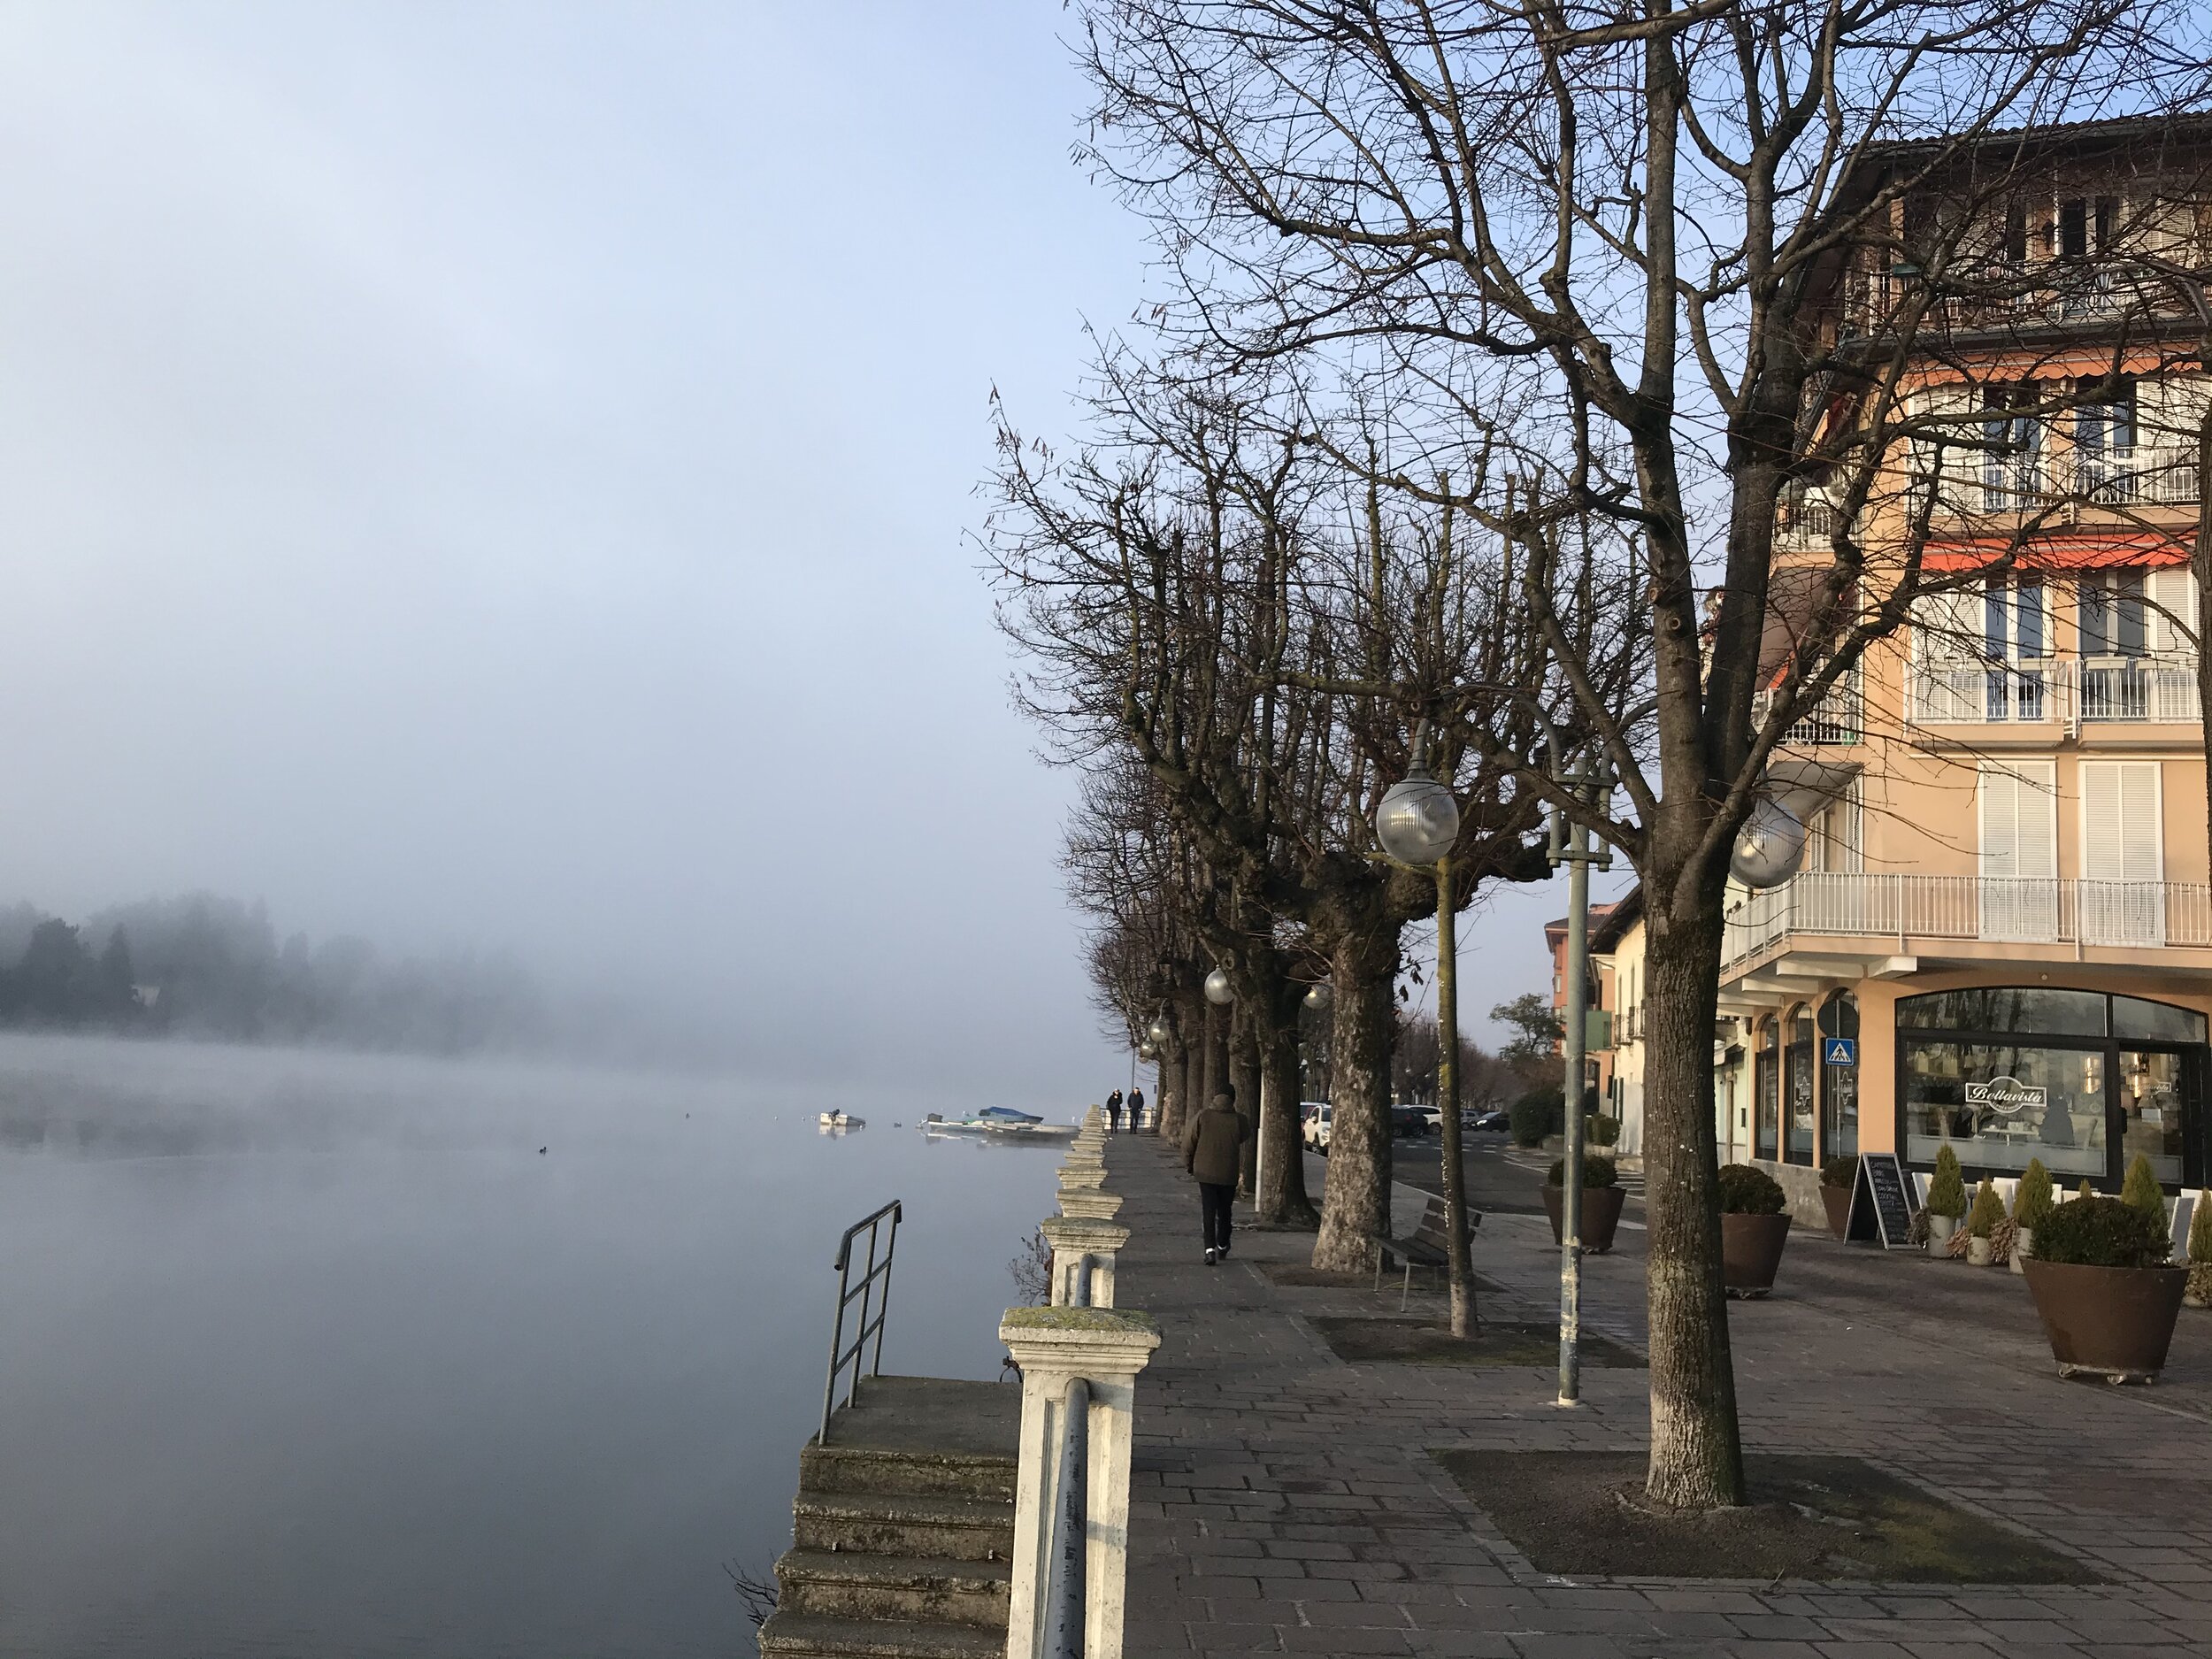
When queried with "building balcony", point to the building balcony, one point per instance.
{"points": [[1837, 719], [2133, 475], [2069, 693], [1905, 915]]}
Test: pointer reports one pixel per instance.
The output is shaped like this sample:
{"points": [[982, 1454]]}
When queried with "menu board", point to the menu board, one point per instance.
{"points": [[1881, 1206]]}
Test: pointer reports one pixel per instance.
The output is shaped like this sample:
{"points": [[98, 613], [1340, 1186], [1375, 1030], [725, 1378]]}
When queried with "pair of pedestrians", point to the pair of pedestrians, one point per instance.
{"points": [[1213, 1152], [1114, 1110]]}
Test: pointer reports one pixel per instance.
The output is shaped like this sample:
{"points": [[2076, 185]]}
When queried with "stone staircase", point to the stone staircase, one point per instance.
{"points": [[902, 1533]]}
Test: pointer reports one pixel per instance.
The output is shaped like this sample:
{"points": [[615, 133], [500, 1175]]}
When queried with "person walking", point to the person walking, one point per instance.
{"points": [[1113, 1113], [1136, 1110], [1212, 1149]]}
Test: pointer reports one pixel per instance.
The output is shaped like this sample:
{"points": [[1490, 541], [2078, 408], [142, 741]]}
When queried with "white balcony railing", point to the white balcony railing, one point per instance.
{"points": [[2137, 475], [2096, 691], [1839, 717], [1907, 908]]}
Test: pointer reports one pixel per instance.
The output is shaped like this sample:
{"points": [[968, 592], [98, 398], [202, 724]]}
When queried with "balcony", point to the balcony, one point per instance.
{"points": [[1901, 912], [1838, 718], [2093, 692], [2037, 481]]}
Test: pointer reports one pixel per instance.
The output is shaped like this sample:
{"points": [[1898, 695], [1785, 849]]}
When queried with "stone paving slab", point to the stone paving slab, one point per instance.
{"points": [[1285, 1501]]}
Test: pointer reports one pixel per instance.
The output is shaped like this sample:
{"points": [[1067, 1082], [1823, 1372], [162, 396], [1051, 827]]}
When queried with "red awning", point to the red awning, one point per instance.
{"points": [[2145, 550]]}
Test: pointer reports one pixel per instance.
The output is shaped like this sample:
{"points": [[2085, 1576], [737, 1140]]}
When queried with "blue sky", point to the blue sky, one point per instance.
{"points": [[498, 475]]}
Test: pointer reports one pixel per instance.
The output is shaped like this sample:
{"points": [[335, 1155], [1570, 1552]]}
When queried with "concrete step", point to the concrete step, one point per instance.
{"points": [[855, 1469], [927, 1589], [922, 1436], [896, 1524], [814, 1636]]}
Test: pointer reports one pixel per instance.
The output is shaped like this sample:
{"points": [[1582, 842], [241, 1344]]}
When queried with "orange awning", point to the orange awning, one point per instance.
{"points": [[2144, 550]]}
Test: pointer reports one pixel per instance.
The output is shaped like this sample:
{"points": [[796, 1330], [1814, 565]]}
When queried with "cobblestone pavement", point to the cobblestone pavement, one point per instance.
{"points": [[1286, 1502]]}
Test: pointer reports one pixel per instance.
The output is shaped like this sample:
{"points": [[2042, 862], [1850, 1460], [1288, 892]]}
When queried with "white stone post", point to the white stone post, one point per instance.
{"points": [[1089, 1203], [1053, 1346], [1072, 1240]]}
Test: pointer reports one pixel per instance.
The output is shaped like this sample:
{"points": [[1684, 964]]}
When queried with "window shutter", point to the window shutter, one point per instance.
{"points": [[2120, 821], [2101, 820], [2173, 618], [2034, 792], [2001, 822], [2138, 821]]}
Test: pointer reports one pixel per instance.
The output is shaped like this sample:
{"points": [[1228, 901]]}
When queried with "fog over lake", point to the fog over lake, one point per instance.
{"points": [[317, 1352]]}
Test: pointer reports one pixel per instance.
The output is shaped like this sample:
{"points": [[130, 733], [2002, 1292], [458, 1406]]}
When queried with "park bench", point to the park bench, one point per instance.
{"points": [[1427, 1246]]}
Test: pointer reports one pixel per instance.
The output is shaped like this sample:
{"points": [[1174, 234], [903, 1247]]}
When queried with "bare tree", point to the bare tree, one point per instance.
{"points": [[1681, 262]]}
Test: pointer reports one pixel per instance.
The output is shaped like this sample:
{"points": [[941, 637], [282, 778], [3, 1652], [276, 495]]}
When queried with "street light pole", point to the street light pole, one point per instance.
{"points": [[1571, 845]]}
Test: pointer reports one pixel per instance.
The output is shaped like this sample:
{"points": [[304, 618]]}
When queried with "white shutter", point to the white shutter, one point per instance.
{"points": [[2000, 823], [2101, 820], [2036, 786], [2172, 622], [2019, 833], [1946, 625], [2122, 858]]}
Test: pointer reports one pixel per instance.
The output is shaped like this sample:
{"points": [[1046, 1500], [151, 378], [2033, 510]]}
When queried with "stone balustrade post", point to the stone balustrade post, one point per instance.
{"points": [[1072, 1240], [1089, 1203], [1055, 1346]]}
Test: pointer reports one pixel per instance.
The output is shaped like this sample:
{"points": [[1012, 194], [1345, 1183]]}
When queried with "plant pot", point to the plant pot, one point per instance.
{"points": [[2023, 1247], [1978, 1252], [1837, 1201], [1600, 1215], [2109, 1322], [1750, 1250], [1939, 1230]]}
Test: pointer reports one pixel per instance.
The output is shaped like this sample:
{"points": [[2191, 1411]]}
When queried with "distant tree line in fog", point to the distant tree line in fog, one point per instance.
{"points": [[204, 965]]}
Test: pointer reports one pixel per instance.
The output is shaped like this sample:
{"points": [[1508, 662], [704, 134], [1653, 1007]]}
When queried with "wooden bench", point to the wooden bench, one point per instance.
{"points": [[1427, 1246]]}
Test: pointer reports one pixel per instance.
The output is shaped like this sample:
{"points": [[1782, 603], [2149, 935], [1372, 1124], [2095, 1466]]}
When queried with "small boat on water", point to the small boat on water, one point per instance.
{"points": [[842, 1120], [998, 1122]]}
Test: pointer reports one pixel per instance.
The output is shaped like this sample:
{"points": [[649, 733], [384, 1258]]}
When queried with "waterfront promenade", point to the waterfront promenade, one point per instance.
{"points": [[1286, 1500]]}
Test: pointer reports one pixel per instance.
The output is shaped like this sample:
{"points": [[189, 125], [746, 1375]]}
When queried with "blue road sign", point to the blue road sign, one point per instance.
{"points": [[1840, 1051]]}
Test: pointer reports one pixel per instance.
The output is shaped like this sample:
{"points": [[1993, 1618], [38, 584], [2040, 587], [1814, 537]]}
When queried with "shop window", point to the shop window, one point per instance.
{"points": [[1999, 1104], [2151, 1112], [1839, 1084], [1767, 1086], [2155, 1022], [1801, 1061], [2007, 1008]]}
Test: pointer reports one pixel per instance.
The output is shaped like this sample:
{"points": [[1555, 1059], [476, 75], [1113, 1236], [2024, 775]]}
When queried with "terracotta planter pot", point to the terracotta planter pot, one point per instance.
{"points": [[1837, 1201], [1750, 1250], [2023, 1247], [1978, 1252], [1600, 1215], [2109, 1322]]}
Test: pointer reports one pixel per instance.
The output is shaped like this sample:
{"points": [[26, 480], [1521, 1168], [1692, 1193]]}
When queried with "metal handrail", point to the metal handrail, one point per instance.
{"points": [[1066, 1548], [864, 1292]]}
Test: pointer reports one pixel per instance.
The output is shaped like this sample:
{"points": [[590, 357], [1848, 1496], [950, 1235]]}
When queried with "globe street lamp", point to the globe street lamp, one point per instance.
{"points": [[1219, 990], [1769, 847], [1417, 824], [1317, 998]]}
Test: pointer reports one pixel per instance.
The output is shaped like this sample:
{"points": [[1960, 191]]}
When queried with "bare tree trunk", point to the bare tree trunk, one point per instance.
{"points": [[1696, 1451], [1244, 1076], [1214, 1046], [1167, 1095], [1283, 1202], [1355, 1202]]}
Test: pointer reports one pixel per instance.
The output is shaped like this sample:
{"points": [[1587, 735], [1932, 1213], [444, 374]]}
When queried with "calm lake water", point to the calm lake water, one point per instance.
{"points": [[317, 1353]]}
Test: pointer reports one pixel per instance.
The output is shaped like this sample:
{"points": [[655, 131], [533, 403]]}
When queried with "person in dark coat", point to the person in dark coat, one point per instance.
{"points": [[1113, 1113], [1136, 1109], [1213, 1153]]}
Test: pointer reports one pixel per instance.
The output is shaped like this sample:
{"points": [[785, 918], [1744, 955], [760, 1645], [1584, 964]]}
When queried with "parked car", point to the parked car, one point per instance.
{"points": [[1408, 1121], [1315, 1125]]}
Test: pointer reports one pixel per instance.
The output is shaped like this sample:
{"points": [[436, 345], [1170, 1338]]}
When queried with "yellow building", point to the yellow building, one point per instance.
{"points": [[2002, 935]]}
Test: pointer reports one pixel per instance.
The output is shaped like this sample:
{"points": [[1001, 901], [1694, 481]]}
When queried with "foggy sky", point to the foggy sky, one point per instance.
{"points": [[496, 476]]}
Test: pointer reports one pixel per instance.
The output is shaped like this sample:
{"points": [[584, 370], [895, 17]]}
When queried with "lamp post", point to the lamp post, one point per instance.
{"points": [[1417, 824], [1568, 843]]}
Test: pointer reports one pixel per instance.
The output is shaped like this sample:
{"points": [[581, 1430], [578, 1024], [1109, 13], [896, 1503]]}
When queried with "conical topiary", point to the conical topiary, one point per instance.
{"points": [[2085, 1190], [2140, 1191], [1988, 1210], [2200, 1230], [1946, 1193], [2034, 1199]]}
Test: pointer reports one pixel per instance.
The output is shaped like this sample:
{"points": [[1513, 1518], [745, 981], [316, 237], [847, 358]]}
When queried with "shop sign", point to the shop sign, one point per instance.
{"points": [[1881, 1207], [2006, 1095]]}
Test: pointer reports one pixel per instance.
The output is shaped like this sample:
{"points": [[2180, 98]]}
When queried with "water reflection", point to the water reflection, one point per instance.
{"points": [[321, 1353]]}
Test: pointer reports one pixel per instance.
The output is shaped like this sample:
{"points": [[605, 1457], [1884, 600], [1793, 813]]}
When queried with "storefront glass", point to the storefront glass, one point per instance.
{"points": [[1802, 1062], [2001, 1104], [2150, 1095], [1765, 1109], [1839, 1084]]}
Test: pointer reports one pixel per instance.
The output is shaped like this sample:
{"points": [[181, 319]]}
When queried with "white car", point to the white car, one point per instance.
{"points": [[1314, 1124]]}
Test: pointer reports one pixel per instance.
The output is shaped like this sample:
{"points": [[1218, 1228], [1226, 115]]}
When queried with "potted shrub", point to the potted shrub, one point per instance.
{"points": [[1838, 1176], [2140, 1191], [2103, 1290], [2199, 1292], [1754, 1226], [2031, 1201], [1535, 1114], [1988, 1210], [1946, 1200], [1602, 1201], [1601, 1130]]}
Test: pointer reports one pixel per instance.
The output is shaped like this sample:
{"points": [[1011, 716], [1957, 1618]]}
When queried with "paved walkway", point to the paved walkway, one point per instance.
{"points": [[1286, 1502]]}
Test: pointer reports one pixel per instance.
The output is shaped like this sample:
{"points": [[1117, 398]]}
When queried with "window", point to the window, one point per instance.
{"points": [[1837, 844], [2006, 1008], [2001, 1103], [2112, 614], [2019, 850], [2012, 461], [1839, 1084], [2015, 245], [1803, 1060], [2123, 893], [1768, 1084]]}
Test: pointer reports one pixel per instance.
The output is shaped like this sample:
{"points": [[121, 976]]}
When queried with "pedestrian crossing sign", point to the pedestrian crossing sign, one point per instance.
{"points": [[1842, 1050]]}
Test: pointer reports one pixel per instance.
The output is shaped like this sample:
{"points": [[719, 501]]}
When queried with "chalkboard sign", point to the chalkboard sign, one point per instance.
{"points": [[1881, 1211]]}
